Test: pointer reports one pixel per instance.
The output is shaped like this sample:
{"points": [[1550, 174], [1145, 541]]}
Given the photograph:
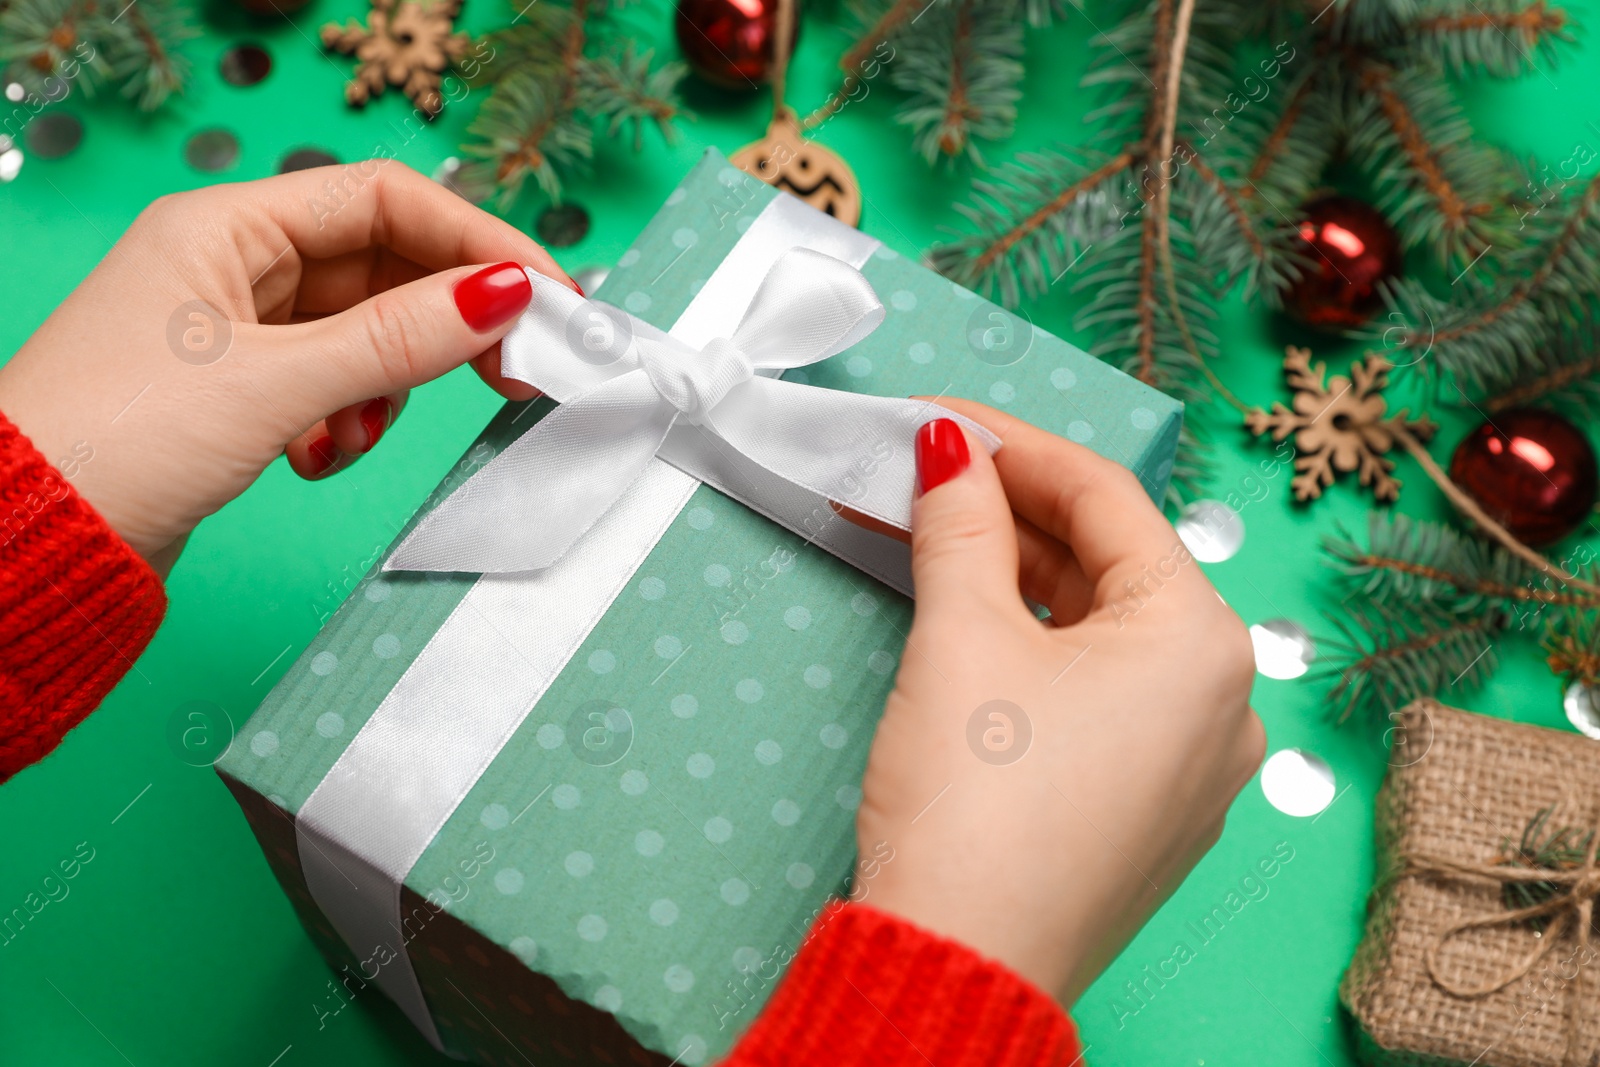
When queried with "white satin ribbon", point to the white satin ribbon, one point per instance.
{"points": [[631, 394], [407, 769]]}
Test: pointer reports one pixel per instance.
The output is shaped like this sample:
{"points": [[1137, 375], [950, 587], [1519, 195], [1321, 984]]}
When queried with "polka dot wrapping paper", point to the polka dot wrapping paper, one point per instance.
{"points": [[630, 872]]}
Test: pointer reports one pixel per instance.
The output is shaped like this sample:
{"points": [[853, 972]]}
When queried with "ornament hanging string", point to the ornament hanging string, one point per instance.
{"points": [[780, 57], [784, 159], [1470, 508]]}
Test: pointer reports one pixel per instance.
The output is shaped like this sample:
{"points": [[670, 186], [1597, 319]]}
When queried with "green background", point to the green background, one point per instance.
{"points": [[175, 946]]}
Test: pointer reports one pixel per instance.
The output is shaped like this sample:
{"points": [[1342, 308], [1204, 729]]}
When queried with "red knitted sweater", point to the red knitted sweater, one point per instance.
{"points": [[78, 606]]}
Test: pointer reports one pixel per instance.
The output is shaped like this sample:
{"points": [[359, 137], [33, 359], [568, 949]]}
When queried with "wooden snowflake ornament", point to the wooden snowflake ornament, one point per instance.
{"points": [[405, 43], [1338, 427]]}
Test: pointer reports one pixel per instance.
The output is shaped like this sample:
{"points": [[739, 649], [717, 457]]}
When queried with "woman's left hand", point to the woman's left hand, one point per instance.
{"points": [[236, 323]]}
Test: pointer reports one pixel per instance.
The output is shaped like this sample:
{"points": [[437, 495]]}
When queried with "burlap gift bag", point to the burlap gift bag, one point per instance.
{"points": [[1448, 972]]}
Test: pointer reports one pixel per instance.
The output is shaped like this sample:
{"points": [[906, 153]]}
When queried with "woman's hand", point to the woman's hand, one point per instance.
{"points": [[233, 324], [1044, 787]]}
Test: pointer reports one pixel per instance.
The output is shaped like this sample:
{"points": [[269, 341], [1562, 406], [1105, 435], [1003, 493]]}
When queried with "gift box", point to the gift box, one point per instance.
{"points": [[587, 811], [1479, 948]]}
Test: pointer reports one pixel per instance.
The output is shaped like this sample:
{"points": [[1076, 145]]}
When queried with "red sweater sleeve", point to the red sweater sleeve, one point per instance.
{"points": [[77, 605], [868, 987]]}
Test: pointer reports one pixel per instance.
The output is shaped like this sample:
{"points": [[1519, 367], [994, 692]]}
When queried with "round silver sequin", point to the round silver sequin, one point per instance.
{"points": [[1582, 709], [1283, 648], [212, 150], [10, 159], [245, 64], [53, 135], [454, 175], [1210, 530], [589, 278], [447, 169], [1297, 782]]}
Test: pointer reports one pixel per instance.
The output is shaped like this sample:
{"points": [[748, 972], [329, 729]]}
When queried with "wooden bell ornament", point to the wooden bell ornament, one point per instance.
{"points": [[786, 160]]}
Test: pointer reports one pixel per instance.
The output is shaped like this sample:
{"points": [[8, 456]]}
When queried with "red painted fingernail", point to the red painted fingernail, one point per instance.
{"points": [[576, 288], [493, 295], [941, 453], [376, 416], [325, 456]]}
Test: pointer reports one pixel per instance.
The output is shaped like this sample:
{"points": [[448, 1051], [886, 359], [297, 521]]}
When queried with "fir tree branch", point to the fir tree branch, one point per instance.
{"points": [[1278, 136], [958, 111], [1041, 216], [1500, 38], [1477, 586], [1530, 23], [1556, 381], [1550, 259], [1572, 645], [610, 78], [960, 70], [1386, 660], [1233, 201], [891, 20], [571, 56], [160, 72], [1456, 212]]}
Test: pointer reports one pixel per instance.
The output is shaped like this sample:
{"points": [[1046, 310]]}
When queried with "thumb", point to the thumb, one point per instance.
{"points": [[404, 336], [963, 538]]}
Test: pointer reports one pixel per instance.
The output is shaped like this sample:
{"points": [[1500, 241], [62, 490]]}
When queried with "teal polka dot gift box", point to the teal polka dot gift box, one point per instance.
{"points": [[583, 812]]}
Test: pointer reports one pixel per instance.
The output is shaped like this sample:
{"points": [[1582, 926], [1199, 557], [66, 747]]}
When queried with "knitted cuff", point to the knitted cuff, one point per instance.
{"points": [[77, 605], [867, 987]]}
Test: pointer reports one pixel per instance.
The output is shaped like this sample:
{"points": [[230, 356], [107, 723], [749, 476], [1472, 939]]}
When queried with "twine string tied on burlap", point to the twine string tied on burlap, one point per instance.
{"points": [[1573, 903]]}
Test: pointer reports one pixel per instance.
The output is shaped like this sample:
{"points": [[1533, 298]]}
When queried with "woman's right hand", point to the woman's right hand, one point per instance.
{"points": [[1043, 787]]}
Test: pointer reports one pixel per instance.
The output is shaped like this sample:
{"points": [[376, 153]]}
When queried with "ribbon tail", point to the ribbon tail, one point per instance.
{"points": [[565, 345], [853, 448], [526, 507]]}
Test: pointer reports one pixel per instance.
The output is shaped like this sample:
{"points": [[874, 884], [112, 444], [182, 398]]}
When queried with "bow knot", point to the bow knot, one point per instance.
{"points": [[692, 381], [1570, 906], [707, 408]]}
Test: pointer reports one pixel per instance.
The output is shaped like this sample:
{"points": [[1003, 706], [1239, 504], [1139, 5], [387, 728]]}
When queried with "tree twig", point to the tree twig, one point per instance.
{"points": [[1531, 21], [858, 54], [1475, 585], [1545, 384]]}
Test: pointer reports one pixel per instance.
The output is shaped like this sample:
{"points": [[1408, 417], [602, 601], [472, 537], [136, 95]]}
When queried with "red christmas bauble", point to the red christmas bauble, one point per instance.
{"points": [[1532, 471], [1351, 248], [730, 42]]}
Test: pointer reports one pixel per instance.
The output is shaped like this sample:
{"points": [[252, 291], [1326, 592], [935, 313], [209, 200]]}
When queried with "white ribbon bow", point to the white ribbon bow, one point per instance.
{"points": [[624, 386]]}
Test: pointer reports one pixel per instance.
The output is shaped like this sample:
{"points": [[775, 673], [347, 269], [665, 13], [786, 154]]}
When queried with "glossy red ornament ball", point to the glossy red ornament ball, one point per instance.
{"points": [[1351, 248], [1532, 471], [730, 42]]}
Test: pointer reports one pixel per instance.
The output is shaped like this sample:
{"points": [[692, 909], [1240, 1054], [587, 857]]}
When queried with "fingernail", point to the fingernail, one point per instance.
{"points": [[376, 416], [941, 453], [493, 295], [576, 288], [325, 456]]}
